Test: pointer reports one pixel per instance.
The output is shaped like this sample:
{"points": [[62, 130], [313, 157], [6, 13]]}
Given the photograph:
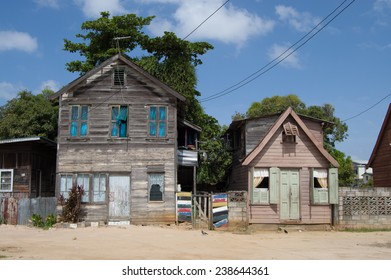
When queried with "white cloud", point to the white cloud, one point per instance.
{"points": [[49, 84], [8, 90], [230, 24], [302, 22], [48, 3], [381, 5], [14, 40], [93, 8], [292, 61]]}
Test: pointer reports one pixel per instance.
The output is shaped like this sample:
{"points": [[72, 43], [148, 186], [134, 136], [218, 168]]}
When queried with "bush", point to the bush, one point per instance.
{"points": [[40, 223]]}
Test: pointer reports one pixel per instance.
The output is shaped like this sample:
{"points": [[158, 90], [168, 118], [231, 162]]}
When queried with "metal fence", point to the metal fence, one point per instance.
{"points": [[16, 211]]}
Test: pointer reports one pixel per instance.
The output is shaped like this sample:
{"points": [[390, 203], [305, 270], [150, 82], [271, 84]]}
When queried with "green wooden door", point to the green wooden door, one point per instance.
{"points": [[290, 195]]}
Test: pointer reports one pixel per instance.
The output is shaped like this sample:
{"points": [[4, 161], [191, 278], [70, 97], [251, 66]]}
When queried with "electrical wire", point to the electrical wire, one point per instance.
{"points": [[205, 20], [366, 110], [269, 66]]}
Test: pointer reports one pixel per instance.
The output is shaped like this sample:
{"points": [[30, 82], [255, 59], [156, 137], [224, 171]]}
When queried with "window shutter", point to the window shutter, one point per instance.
{"points": [[313, 193], [256, 196], [264, 196], [333, 185], [274, 184]]}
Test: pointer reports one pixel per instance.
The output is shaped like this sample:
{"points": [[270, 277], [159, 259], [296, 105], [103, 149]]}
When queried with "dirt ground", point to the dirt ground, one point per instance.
{"points": [[181, 242]]}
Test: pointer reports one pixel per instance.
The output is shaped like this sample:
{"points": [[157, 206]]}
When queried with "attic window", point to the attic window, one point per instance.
{"points": [[290, 132], [119, 76]]}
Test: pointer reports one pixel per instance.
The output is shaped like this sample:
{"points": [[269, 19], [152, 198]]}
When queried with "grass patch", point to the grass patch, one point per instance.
{"points": [[365, 229], [3, 257]]}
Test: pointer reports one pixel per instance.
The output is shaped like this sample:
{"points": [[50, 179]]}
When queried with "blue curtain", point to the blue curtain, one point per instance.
{"points": [[162, 129], [83, 129], [74, 128], [152, 128], [162, 113]]}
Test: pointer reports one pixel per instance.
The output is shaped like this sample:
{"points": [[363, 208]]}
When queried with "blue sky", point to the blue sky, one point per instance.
{"points": [[347, 64]]}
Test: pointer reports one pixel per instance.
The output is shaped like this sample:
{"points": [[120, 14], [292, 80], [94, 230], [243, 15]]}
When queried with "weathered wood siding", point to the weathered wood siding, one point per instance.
{"points": [[34, 167], [256, 130], [382, 164], [309, 214], [279, 154], [133, 155]]}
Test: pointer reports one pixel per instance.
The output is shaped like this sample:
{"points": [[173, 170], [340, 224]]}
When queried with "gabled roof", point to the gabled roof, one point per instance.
{"points": [[380, 137], [109, 61], [289, 112]]}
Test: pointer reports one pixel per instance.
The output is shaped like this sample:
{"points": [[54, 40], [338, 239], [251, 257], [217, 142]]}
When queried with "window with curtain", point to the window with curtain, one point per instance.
{"points": [[99, 188], [119, 121], [158, 121], [6, 180], [156, 186], [79, 120], [66, 181], [83, 180], [260, 186], [320, 192]]}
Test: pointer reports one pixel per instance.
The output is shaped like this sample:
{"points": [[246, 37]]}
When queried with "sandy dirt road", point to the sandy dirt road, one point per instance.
{"points": [[180, 243]]}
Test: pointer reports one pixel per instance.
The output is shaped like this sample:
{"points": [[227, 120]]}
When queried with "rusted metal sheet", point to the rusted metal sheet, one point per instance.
{"points": [[10, 210]]}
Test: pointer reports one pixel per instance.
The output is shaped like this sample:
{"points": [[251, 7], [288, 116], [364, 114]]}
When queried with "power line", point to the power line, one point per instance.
{"points": [[206, 19], [366, 110], [277, 60]]}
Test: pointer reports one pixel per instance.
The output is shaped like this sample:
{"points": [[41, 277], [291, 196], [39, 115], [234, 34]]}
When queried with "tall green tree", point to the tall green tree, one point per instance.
{"points": [[29, 115]]}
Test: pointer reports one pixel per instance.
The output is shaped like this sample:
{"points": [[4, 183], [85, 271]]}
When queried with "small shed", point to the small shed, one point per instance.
{"points": [[27, 167]]}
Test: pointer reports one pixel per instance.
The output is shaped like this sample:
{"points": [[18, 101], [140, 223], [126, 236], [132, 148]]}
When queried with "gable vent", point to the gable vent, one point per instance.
{"points": [[119, 77], [290, 129]]}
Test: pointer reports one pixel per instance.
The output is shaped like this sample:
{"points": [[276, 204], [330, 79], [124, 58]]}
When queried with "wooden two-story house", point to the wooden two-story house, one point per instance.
{"points": [[118, 138], [280, 160]]}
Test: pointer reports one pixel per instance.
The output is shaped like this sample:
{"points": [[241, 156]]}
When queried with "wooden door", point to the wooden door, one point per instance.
{"points": [[290, 195], [119, 186]]}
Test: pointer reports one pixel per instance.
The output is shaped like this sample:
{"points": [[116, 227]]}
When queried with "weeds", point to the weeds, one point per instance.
{"points": [[45, 224]]}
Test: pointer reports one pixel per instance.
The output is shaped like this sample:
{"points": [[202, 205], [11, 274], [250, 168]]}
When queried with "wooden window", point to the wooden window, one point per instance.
{"points": [[156, 186], [320, 191], [324, 186], [157, 121], [83, 180], [260, 189], [289, 133], [265, 190], [79, 120], [99, 188], [66, 183], [119, 121], [6, 180], [119, 76]]}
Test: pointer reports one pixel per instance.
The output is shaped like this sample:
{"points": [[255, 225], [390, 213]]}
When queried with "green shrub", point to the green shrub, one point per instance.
{"points": [[40, 223]]}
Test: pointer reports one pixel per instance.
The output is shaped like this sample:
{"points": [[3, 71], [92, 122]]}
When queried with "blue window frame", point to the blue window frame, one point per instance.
{"points": [[158, 121], [119, 121], [79, 120]]}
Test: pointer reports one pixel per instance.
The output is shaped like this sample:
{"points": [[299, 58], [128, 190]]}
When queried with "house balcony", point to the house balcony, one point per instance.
{"points": [[187, 157]]}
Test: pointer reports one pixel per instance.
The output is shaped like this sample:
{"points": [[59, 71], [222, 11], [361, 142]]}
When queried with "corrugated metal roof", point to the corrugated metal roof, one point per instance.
{"points": [[28, 139]]}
